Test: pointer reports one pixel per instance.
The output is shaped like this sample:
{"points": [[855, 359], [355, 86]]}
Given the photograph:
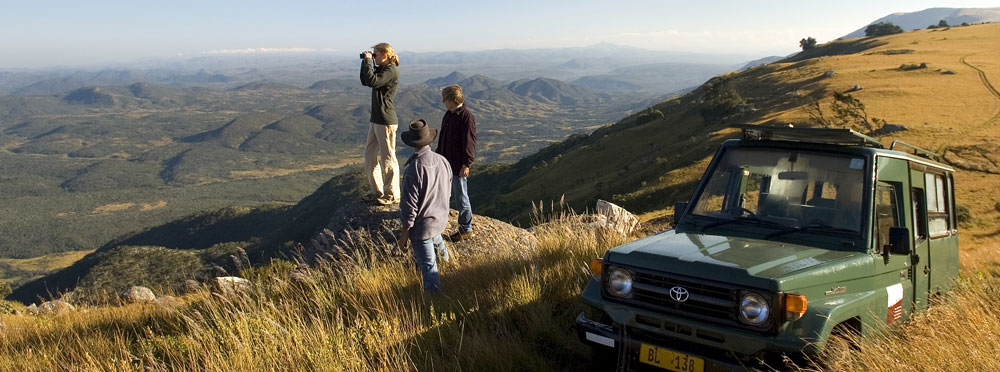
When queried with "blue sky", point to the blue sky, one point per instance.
{"points": [[42, 33]]}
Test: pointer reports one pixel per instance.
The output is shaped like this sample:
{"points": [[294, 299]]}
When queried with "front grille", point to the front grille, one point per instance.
{"points": [[707, 300]]}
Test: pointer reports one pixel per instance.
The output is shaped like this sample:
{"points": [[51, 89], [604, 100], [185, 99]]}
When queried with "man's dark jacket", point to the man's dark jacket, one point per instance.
{"points": [[457, 141], [384, 80]]}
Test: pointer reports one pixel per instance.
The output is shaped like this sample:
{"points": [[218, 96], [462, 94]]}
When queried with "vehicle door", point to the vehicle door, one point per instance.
{"points": [[942, 233], [920, 256], [890, 209]]}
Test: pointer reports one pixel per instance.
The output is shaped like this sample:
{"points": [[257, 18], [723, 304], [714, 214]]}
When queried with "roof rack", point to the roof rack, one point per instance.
{"points": [[831, 136], [916, 150]]}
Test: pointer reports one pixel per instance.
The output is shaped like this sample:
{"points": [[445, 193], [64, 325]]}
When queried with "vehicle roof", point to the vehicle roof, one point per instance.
{"points": [[839, 139]]}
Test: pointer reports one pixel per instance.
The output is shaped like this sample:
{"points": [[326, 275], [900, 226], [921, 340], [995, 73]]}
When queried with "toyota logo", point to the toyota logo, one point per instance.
{"points": [[679, 294]]}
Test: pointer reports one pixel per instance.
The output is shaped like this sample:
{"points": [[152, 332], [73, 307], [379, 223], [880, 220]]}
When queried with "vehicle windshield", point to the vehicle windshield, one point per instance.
{"points": [[797, 189]]}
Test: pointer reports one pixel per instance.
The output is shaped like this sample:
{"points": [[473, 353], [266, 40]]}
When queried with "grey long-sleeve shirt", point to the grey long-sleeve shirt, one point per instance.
{"points": [[426, 190]]}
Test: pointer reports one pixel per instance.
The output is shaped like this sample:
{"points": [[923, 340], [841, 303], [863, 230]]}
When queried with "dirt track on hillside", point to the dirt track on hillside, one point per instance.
{"points": [[989, 87]]}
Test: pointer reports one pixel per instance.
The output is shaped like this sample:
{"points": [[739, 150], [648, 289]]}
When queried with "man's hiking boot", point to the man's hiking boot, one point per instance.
{"points": [[461, 235], [381, 201]]}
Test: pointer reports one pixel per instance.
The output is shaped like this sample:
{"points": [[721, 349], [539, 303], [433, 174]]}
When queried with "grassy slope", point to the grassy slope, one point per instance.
{"points": [[509, 310], [647, 167], [206, 239], [503, 311]]}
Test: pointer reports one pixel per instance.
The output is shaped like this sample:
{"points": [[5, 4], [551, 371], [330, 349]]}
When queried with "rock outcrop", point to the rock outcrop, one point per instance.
{"points": [[618, 219], [363, 229], [55, 307], [136, 294], [231, 284]]}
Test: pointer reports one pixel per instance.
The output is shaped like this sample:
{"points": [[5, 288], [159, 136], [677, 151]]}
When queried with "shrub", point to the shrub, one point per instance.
{"points": [[882, 29], [912, 66], [997, 206], [720, 102], [963, 213], [649, 115], [807, 43]]}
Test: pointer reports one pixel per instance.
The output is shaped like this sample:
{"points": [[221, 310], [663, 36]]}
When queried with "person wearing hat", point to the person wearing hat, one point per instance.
{"points": [[423, 207]]}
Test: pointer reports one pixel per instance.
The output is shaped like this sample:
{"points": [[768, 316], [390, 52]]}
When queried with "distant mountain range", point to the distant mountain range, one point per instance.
{"points": [[124, 148], [931, 16], [600, 66]]}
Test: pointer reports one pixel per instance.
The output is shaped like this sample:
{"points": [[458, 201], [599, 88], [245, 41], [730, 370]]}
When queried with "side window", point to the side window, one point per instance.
{"points": [[950, 186], [938, 204], [886, 213], [919, 213]]}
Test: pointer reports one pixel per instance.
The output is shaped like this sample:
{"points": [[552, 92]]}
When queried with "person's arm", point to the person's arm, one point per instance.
{"points": [[408, 205], [370, 78], [404, 238], [470, 145]]}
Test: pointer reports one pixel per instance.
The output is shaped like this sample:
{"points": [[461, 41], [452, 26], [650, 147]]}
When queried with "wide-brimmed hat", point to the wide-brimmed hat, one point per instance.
{"points": [[419, 135]]}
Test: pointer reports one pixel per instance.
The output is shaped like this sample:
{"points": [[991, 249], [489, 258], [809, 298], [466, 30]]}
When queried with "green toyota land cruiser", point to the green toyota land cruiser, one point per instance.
{"points": [[793, 235]]}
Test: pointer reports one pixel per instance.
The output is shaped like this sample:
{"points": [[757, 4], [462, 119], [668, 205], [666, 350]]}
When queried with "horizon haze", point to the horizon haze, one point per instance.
{"points": [[62, 33]]}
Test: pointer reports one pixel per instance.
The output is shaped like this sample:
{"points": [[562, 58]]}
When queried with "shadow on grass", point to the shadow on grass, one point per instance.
{"points": [[537, 334]]}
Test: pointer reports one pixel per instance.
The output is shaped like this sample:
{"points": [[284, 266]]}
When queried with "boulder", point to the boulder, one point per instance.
{"points": [[231, 284], [892, 128], [55, 307], [489, 234], [618, 219], [367, 229], [137, 294]]}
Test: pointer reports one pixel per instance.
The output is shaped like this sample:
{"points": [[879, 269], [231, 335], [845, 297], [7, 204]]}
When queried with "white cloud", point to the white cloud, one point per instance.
{"points": [[266, 50]]}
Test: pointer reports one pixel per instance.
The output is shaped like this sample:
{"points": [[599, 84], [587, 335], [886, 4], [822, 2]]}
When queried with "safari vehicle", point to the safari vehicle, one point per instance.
{"points": [[792, 238]]}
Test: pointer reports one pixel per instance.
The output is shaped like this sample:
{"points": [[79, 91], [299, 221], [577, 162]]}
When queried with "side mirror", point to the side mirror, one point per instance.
{"points": [[899, 240], [679, 209]]}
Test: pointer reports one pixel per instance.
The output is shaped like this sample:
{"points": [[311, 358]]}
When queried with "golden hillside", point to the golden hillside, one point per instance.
{"points": [[951, 106]]}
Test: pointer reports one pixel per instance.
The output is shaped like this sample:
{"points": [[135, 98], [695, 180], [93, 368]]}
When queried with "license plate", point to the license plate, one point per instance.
{"points": [[670, 360]]}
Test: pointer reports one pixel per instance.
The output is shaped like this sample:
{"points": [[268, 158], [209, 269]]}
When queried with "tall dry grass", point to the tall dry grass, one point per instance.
{"points": [[961, 333], [509, 310]]}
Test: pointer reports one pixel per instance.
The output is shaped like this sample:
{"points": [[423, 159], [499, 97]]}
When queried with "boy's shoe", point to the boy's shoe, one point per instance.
{"points": [[381, 201], [461, 235], [369, 198]]}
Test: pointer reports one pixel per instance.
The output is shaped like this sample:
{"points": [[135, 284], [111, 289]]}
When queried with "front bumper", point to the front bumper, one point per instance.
{"points": [[612, 339]]}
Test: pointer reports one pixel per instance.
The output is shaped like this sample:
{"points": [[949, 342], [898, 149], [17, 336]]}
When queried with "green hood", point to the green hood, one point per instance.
{"points": [[753, 262]]}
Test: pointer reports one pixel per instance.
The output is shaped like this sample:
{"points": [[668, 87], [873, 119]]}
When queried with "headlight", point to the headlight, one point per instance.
{"points": [[754, 309], [619, 282]]}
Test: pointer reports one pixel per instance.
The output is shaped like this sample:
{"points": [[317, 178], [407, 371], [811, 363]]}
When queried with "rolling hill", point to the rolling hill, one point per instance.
{"points": [[89, 165], [652, 158], [927, 17]]}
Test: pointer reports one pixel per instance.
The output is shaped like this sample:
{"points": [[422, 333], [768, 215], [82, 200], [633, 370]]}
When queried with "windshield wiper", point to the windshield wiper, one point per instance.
{"points": [[809, 227], [753, 219]]}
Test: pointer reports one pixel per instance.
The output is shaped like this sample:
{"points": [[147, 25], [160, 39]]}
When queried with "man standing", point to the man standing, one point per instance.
{"points": [[423, 210], [458, 145]]}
